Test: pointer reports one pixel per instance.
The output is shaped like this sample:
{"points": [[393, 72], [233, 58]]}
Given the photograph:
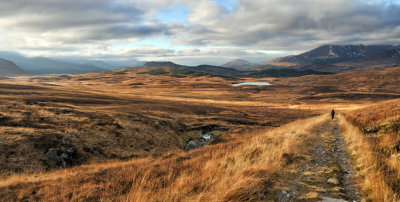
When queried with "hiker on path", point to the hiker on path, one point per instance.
{"points": [[333, 113]]}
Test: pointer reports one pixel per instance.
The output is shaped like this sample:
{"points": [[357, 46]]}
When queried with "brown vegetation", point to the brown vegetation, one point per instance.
{"points": [[128, 131], [104, 116], [247, 166], [375, 145]]}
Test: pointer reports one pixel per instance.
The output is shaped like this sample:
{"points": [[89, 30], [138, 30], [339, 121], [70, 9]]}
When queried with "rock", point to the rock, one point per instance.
{"points": [[284, 192], [31, 102], [54, 154], [62, 158], [117, 125], [71, 151], [333, 181], [327, 199], [301, 183], [66, 139], [194, 144], [4, 118]]}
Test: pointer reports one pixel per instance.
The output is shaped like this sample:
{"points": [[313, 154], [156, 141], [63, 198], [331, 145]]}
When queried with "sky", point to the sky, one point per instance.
{"points": [[192, 32]]}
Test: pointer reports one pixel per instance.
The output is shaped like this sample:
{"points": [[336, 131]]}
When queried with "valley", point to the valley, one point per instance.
{"points": [[199, 101], [83, 130]]}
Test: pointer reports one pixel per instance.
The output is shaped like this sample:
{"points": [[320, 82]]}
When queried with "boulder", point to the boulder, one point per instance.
{"points": [[333, 181]]}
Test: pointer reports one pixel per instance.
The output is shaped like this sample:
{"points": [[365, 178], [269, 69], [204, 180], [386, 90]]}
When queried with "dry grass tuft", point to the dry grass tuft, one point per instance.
{"points": [[370, 172], [234, 171]]}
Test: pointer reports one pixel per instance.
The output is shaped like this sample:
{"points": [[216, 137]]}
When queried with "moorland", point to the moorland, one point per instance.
{"points": [[162, 133]]}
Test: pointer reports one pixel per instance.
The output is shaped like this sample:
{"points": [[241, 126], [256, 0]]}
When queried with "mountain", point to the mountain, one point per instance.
{"points": [[43, 65], [238, 64], [98, 63], [162, 64], [228, 72], [8, 68], [210, 69], [331, 54], [380, 60], [342, 58]]}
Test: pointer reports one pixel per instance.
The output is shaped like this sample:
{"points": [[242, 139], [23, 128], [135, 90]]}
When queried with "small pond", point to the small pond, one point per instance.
{"points": [[252, 84]]}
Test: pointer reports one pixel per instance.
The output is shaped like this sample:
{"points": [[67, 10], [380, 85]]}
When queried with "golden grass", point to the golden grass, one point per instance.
{"points": [[367, 164], [375, 114], [234, 171]]}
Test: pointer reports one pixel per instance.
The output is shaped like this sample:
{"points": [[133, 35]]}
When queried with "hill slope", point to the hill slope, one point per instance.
{"points": [[342, 58], [238, 64], [43, 65], [8, 68], [229, 72]]}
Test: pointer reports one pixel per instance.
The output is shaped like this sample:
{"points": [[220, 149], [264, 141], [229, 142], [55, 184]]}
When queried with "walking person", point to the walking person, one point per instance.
{"points": [[333, 113]]}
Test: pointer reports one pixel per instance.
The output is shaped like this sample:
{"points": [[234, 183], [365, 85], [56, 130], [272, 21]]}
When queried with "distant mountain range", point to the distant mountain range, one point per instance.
{"points": [[322, 60], [43, 65], [343, 58], [229, 72], [8, 68]]}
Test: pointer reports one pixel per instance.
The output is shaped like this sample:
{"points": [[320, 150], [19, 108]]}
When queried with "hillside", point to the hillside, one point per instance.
{"points": [[106, 131], [238, 64], [111, 115], [342, 58], [8, 68], [237, 72], [43, 65], [209, 69], [374, 139], [252, 165]]}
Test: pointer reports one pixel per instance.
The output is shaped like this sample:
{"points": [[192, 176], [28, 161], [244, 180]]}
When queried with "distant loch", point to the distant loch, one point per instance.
{"points": [[252, 84]]}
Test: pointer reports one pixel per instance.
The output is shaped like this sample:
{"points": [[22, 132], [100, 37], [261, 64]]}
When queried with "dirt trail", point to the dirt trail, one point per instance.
{"points": [[323, 172]]}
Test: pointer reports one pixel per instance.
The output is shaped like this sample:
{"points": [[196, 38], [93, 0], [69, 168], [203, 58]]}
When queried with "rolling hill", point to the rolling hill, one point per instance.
{"points": [[8, 68], [229, 72], [238, 64], [43, 65], [60, 124], [343, 58]]}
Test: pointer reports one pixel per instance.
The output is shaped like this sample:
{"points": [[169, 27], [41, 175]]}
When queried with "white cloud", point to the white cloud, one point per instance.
{"points": [[254, 29]]}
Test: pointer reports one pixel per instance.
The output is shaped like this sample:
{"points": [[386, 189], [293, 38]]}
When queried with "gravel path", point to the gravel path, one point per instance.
{"points": [[325, 172]]}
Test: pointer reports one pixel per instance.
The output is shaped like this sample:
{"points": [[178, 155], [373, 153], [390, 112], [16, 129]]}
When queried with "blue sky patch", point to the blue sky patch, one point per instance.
{"points": [[174, 13], [228, 4]]}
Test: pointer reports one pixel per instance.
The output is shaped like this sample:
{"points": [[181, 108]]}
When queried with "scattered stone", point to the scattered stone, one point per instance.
{"points": [[194, 144], [333, 181], [54, 154], [65, 111], [327, 199], [4, 118], [199, 142], [60, 157], [31, 102], [71, 151], [301, 183], [66, 139], [116, 124]]}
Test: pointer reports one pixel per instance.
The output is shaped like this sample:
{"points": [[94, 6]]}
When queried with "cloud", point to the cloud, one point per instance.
{"points": [[277, 24], [217, 30]]}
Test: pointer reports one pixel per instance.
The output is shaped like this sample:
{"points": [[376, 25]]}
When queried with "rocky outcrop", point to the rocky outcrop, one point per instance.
{"points": [[63, 157]]}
